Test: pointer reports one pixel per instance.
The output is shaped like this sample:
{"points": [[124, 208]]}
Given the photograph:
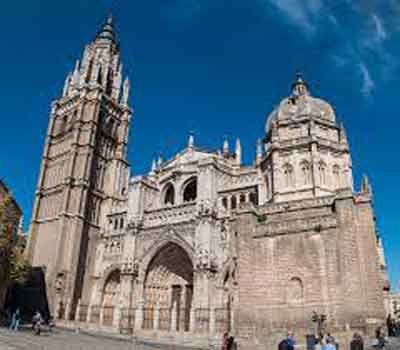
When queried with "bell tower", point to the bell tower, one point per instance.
{"points": [[84, 170]]}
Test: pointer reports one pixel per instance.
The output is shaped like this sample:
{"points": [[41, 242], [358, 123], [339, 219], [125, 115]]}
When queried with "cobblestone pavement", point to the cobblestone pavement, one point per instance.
{"points": [[58, 340], [64, 340], [67, 340]]}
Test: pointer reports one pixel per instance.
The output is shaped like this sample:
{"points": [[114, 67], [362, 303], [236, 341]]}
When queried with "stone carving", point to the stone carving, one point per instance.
{"points": [[207, 209], [59, 282], [130, 267]]}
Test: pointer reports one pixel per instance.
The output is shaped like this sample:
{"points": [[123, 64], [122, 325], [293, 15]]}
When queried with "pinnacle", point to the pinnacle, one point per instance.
{"points": [[107, 32]]}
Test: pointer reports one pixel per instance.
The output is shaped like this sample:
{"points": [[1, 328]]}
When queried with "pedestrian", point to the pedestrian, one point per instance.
{"points": [[357, 342], [15, 320], [37, 321], [380, 338], [231, 343], [288, 343], [225, 340], [390, 326], [330, 345]]}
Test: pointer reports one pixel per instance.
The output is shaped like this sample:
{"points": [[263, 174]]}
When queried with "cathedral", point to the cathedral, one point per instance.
{"points": [[203, 244]]}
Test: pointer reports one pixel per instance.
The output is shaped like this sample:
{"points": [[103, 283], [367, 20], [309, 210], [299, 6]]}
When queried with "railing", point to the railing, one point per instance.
{"points": [[148, 318], [108, 315], [165, 319], [202, 317], [178, 213], [222, 320], [127, 320], [183, 320], [83, 310], [95, 314], [61, 311]]}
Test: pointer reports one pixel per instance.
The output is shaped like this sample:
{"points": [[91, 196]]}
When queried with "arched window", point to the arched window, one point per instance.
{"points": [[121, 223], [295, 290], [233, 202], [190, 191], [225, 202], [169, 197], [305, 173], [288, 175], [242, 198], [322, 173], [336, 176], [253, 198]]}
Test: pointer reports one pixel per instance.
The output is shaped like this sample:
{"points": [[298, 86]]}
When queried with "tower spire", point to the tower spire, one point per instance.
{"points": [[107, 31], [299, 87], [238, 152]]}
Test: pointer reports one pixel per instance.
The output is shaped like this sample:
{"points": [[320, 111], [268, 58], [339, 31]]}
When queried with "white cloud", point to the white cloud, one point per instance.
{"points": [[368, 85], [299, 12], [380, 32]]}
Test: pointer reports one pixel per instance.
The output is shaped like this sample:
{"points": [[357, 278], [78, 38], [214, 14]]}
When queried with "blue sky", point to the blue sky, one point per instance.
{"points": [[214, 67]]}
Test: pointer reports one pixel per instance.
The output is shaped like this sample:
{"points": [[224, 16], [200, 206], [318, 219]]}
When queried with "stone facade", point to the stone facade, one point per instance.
{"points": [[202, 244]]}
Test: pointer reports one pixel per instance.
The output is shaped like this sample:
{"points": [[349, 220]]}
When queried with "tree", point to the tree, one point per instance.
{"points": [[13, 266]]}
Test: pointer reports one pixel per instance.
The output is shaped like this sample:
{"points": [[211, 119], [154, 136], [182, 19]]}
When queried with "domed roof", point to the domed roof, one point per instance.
{"points": [[300, 104]]}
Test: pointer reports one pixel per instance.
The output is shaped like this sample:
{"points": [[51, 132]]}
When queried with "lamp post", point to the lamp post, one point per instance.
{"points": [[319, 320]]}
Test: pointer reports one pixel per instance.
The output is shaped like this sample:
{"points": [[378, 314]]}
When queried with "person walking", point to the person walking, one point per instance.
{"points": [[15, 320], [37, 322], [225, 340], [288, 343], [357, 342], [330, 345]]}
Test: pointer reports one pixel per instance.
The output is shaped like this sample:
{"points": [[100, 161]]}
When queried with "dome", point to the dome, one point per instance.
{"points": [[300, 104]]}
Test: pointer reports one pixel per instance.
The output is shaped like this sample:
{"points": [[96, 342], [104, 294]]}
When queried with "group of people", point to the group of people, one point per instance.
{"points": [[37, 321], [322, 342]]}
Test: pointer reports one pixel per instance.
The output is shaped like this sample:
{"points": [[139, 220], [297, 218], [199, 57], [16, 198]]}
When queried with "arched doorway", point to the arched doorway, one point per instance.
{"points": [[169, 286], [111, 292]]}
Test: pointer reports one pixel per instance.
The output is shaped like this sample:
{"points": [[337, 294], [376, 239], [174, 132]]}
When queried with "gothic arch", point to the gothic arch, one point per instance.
{"points": [[111, 288], [305, 169], [168, 283], [288, 173], [189, 190], [336, 176], [322, 173], [157, 246], [168, 194]]}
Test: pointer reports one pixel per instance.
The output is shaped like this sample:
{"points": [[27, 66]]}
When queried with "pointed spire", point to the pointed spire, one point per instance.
{"points": [[76, 75], [117, 83], [225, 146], [107, 33], [21, 225], [66, 85], [238, 152], [159, 161], [125, 92], [191, 141], [259, 151], [343, 135], [299, 87], [365, 185], [153, 167]]}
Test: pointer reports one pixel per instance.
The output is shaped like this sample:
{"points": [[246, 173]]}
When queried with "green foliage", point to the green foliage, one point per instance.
{"points": [[13, 266]]}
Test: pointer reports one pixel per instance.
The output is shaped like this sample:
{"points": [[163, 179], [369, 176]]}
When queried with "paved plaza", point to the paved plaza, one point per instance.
{"points": [[66, 340]]}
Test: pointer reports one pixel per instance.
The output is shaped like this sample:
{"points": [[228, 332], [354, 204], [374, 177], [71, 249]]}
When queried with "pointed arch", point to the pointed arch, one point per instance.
{"points": [[111, 288], [288, 173], [336, 176], [169, 194], [305, 169], [322, 173], [189, 190]]}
